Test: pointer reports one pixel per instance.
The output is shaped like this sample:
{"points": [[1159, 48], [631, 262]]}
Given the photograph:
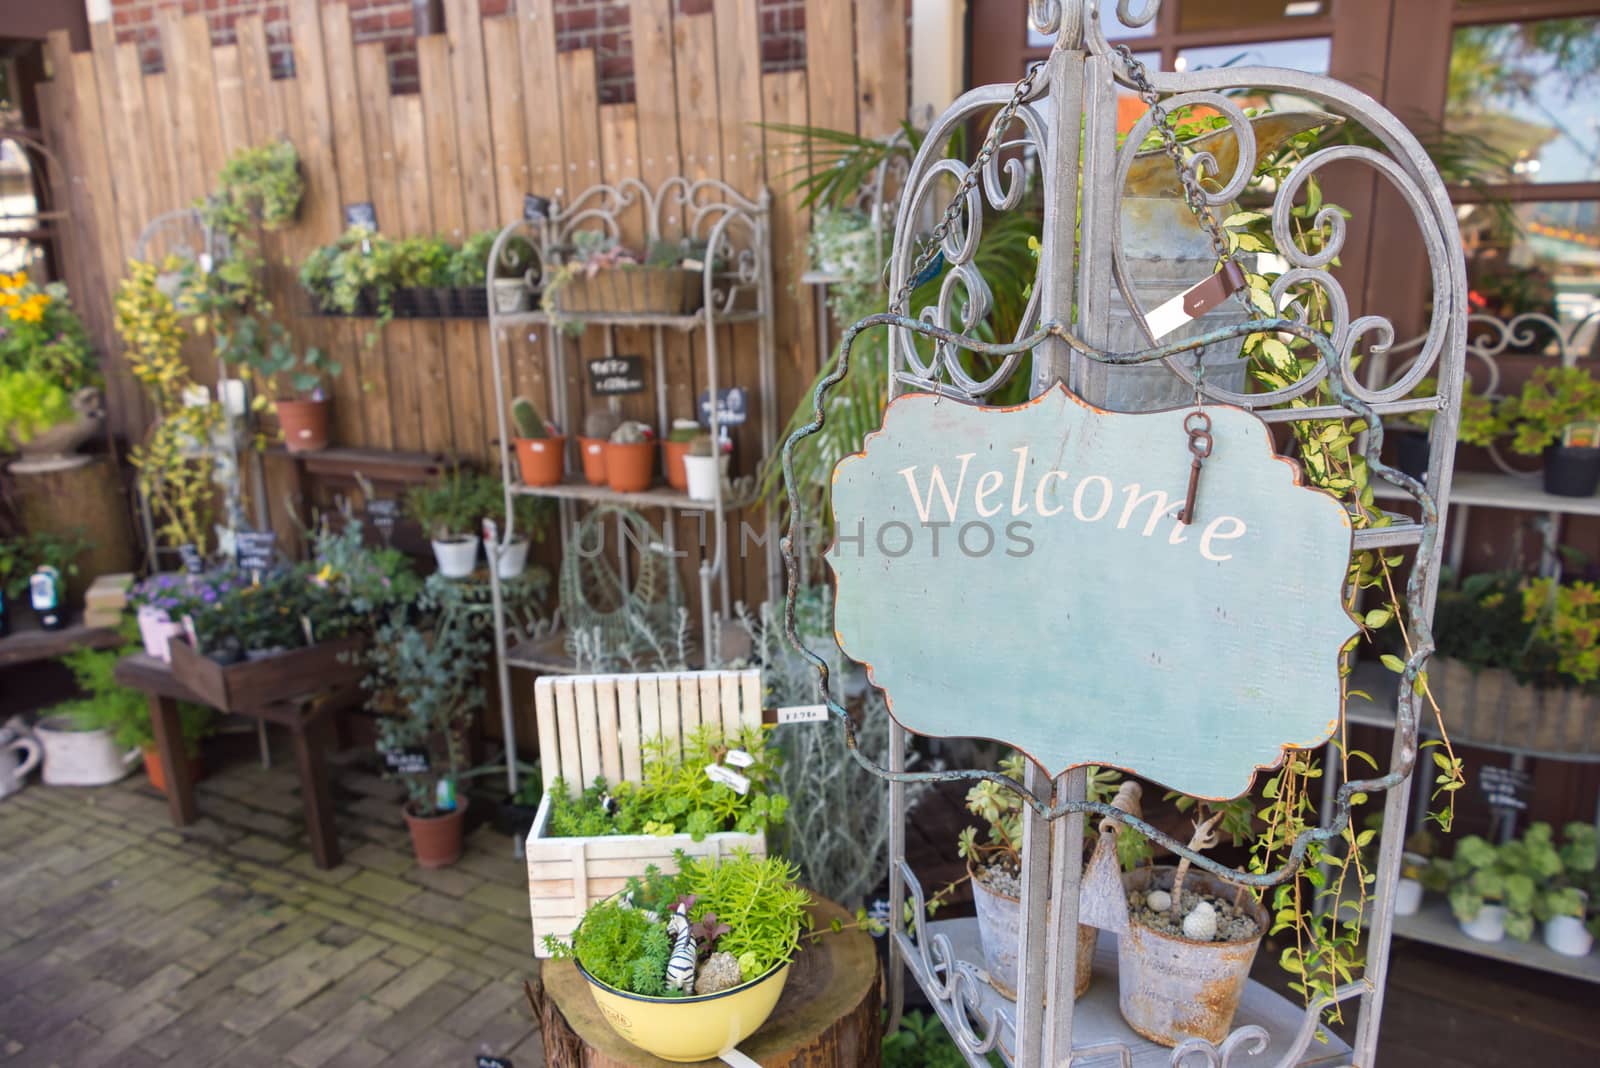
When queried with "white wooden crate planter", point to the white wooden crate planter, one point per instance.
{"points": [[597, 725]]}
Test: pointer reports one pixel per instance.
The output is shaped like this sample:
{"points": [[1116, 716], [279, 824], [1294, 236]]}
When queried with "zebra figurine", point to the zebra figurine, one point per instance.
{"points": [[680, 966]]}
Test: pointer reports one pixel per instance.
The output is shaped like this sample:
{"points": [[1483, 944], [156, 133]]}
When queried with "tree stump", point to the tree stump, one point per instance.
{"points": [[829, 1016], [88, 499]]}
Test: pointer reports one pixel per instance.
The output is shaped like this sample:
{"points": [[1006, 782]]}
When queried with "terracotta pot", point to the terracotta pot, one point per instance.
{"points": [[675, 451], [158, 774], [593, 451], [436, 840], [630, 466], [305, 424], [541, 459]]}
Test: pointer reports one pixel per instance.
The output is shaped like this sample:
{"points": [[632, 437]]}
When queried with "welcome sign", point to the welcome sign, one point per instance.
{"points": [[1020, 574]]}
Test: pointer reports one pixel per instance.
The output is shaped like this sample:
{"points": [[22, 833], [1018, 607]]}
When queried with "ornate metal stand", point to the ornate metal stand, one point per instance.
{"points": [[1068, 145]]}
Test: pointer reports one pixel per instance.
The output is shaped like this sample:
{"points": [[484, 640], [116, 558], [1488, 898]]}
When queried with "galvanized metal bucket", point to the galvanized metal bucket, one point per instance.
{"points": [[1172, 988], [1000, 932]]}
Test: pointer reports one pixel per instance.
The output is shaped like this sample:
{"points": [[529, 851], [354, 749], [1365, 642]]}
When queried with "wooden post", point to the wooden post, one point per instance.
{"points": [[168, 729]]}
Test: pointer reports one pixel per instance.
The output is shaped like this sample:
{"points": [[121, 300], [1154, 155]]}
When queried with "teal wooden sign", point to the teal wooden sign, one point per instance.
{"points": [[1020, 574]]}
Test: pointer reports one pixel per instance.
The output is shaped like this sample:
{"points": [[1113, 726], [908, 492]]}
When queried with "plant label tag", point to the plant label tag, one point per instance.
{"points": [[733, 406], [205, 263], [384, 513], [803, 714], [257, 550], [1195, 301], [535, 208], [616, 376], [188, 630], [728, 777], [739, 758], [486, 1061], [193, 563], [410, 760], [363, 214], [1581, 435], [693, 265]]}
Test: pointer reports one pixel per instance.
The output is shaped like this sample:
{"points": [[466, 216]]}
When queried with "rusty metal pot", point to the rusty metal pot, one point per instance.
{"points": [[1000, 933], [1165, 252], [1173, 988]]}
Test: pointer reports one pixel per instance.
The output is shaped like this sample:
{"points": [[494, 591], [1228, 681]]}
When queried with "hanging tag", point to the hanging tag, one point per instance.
{"points": [[729, 778], [305, 625], [802, 714], [930, 272], [1195, 301], [739, 758]]}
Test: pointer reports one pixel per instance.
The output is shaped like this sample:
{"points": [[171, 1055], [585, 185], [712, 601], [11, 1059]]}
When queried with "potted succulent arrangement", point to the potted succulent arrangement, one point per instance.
{"points": [[448, 509], [598, 426], [540, 445], [50, 400], [1557, 416], [687, 966], [597, 274], [675, 805], [630, 457], [675, 448], [94, 739], [425, 676]]}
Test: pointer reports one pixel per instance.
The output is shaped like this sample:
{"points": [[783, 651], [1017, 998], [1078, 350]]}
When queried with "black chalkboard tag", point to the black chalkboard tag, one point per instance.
{"points": [[256, 550], [363, 214], [733, 406], [535, 208], [412, 760], [486, 1061], [615, 376], [1503, 788], [193, 563], [384, 513]]}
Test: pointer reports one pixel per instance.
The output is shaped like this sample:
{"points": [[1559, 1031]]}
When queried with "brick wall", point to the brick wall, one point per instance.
{"points": [[602, 25]]}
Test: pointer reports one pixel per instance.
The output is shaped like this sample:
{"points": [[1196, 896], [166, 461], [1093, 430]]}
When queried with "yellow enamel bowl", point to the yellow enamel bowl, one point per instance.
{"points": [[694, 1028]]}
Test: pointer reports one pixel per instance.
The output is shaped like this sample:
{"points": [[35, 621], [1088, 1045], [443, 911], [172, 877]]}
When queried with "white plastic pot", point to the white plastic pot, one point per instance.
{"points": [[80, 758], [1407, 897], [1567, 936], [511, 295], [512, 559], [457, 558], [703, 473], [1489, 925]]}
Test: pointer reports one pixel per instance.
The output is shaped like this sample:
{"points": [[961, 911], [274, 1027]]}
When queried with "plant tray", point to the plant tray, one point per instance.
{"points": [[253, 684], [567, 875], [632, 291], [1491, 707]]}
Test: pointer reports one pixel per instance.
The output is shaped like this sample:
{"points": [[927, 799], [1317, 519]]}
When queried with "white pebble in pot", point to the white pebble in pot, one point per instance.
{"points": [[1159, 901], [1201, 923]]}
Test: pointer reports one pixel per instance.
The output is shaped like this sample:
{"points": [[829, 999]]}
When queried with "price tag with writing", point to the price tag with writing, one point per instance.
{"points": [[803, 714], [256, 550], [412, 760], [739, 758], [728, 777], [193, 562], [615, 376]]}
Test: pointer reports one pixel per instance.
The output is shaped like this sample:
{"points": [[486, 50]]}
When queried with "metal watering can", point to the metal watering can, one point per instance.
{"points": [[19, 754], [1165, 251]]}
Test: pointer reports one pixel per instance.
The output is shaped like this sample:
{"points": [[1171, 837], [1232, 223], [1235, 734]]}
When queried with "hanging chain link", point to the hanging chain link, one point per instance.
{"points": [[952, 211]]}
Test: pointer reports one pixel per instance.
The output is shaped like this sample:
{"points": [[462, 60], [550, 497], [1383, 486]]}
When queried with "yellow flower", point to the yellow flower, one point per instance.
{"points": [[7, 299]]}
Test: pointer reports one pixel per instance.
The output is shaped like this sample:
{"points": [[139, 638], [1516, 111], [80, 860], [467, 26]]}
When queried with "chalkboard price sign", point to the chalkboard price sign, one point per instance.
{"points": [[384, 513], [412, 760], [363, 214], [256, 550], [486, 1061], [733, 406], [1503, 788], [193, 563], [616, 376], [534, 208]]}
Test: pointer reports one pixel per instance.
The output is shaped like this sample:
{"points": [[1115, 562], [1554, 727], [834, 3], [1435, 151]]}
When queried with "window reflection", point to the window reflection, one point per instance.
{"points": [[1114, 29], [1527, 91], [1207, 15], [1542, 256], [1310, 55]]}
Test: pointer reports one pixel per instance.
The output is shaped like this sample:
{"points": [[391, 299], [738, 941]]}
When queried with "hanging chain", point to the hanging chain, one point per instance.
{"points": [[952, 211]]}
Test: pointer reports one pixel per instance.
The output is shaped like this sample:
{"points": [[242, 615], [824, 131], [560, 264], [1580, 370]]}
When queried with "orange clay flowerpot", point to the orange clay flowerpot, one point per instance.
{"points": [[630, 466], [158, 774], [593, 451], [305, 424], [436, 840], [677, 476], [540, 459]]}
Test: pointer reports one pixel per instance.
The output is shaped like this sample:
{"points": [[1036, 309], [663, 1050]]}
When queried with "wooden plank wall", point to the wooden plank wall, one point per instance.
{"points": [[499, 113]]}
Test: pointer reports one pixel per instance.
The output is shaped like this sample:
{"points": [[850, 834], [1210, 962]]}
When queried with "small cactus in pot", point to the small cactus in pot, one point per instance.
{"points": [[539, 444], [630, 457]]}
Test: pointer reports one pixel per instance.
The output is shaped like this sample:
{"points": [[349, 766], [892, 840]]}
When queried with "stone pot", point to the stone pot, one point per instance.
{"points": [[1000, 933], [511, 295], [1173, 988], [80, 758], [1407, 897], [457, 557], [436, 840]]}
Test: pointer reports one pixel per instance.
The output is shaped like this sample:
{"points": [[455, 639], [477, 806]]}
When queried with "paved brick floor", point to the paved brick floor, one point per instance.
{"points": [[127, 942]]}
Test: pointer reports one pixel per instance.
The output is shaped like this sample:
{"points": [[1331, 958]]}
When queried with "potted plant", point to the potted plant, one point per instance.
{"points": [[630, 457], [286, 379], [675, 806], [1409, 432], [531, 516], [1414, 879], [50, 400], [598, 426], [260, 184], [704, 467], [1564, 892], [1491, 891], [1190, 936], [675, 448], [514, 276], [540, 446], [1557, 416], [422, 266], [994, 868], [93, 739], [686, 967], [448, 510], [595, 274], [465, 275], [427, 680]]}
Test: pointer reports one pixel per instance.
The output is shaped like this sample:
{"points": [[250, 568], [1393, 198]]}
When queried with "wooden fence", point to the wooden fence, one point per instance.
{"points": [[499, 113]]}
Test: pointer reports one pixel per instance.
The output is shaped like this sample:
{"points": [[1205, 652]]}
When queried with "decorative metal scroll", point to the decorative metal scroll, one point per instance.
{"points": [[1086, 278]]}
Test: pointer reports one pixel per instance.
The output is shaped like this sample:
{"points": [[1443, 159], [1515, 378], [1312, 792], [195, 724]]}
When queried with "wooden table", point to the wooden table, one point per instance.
{"points": [[829, 1016], [306, 718]]}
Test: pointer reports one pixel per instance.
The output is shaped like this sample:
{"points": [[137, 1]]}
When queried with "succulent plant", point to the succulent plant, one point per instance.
{"points": [[529, 423], [630, 432], [600, 423], [703, 445], [683, 430]]}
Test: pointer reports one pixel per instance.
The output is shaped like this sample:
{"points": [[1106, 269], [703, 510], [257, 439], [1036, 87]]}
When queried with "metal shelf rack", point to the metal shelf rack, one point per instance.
{"points": [[737, 234]]}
